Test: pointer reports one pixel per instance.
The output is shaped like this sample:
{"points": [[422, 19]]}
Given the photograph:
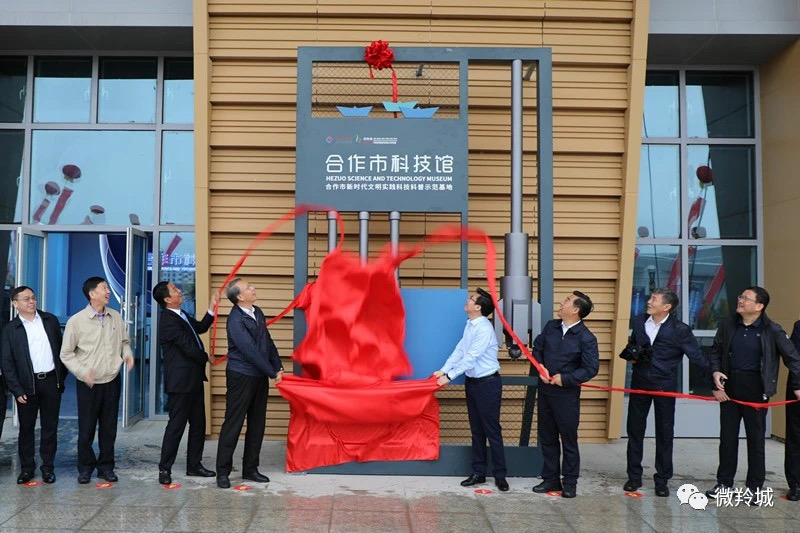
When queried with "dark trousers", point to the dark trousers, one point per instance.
{"points": [[246, 396], [97, 405], [638, 409], [791, 463], [559, 415], [483, 409], [4, 401], [184, 407], [47, 404], [747, 387]]}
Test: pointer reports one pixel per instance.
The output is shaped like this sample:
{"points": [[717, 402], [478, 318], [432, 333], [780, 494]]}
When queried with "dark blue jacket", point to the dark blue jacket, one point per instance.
{"points": [[575, 356], [674, 339], [250, 347]]}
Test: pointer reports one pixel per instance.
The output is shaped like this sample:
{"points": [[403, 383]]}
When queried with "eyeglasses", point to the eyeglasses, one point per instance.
{"points": [[472, 299], [742, 297], [26, 300]]}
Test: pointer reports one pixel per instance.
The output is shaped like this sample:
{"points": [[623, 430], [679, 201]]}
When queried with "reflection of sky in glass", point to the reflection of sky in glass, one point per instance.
{"points": [[659, 192], [696, 124], [61, 99], [116, 175], [660, 111], [127, 101], [177, 178], [179, 101]]}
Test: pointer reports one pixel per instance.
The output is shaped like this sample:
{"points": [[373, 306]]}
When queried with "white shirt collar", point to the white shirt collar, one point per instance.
{"points": [[35, 318], [653, 322], [566, 328], [176, 311]]}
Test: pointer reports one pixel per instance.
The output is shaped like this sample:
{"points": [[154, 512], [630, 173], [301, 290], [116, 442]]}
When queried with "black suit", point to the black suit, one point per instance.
{"points": [[185, 362], [43, 390]]}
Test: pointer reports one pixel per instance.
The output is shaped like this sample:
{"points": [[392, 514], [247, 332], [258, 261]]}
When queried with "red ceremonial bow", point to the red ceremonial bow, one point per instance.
{"points": [[379, 56]]}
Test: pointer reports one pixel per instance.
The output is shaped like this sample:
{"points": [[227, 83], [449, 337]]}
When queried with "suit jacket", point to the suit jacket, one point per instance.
{"points": [[184, 359], [575, 356], [15, 356], [250, 347]]}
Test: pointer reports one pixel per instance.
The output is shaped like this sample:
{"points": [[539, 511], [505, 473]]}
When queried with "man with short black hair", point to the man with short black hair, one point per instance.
{"points": [[96, 342], [668, 340], [185, 361], [34, 374], [568, 350], [475, 355], [744, 361]]}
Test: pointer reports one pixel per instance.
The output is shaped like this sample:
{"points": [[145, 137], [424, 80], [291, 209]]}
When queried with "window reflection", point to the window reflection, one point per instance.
{"points": [[717, 275], [13, 76], [8, 273], [127, 89], [11, 147], [659, 191], [654, 266], [178, 91], [719, 104], [661, 107], [92, 177], [721, 188], [62, 89], [177, 178]]}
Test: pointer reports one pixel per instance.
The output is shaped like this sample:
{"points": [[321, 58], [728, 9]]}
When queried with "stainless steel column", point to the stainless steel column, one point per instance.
{"points": [[332, 231], [363, 236], [394, 234]]}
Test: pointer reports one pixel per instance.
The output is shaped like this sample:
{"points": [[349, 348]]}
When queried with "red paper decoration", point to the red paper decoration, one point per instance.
{"points": [[379, 56]]}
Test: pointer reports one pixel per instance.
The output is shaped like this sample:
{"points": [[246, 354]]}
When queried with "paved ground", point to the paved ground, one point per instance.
{"points": [[371, 503]]}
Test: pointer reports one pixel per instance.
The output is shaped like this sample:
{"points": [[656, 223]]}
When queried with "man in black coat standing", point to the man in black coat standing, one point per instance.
{"points": [[34, 375], [252, 360], [666, 338], [791, 464], [185, 362]]}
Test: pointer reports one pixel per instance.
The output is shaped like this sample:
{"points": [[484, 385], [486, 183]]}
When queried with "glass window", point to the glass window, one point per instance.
{"points": [[11, 148], [13, 76], [722, 195], [62, 89], [8, 271], [127, 89], [717, 275], [661, 107], [177, 266], [177, 178], [178, 91], [659, 191], [655, 266], [92, 177], [719, 104]]}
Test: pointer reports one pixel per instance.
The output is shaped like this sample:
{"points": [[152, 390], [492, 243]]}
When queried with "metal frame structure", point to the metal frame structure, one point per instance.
{"points": [[158, 127]]}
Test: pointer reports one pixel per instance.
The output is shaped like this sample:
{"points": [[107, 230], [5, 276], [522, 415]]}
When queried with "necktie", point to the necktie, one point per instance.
{"points": [[185, 319]]}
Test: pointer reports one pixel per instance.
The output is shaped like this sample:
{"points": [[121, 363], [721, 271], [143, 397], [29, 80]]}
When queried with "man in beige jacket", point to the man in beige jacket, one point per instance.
{"points": [[96, 342]]}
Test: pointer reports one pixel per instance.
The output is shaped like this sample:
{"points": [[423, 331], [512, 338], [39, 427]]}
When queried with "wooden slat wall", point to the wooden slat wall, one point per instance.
{"points": [[249, 137]]}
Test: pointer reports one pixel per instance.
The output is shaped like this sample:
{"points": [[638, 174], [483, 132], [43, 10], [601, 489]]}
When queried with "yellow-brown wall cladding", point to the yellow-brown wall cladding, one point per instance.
{"points": [[245, 62]]}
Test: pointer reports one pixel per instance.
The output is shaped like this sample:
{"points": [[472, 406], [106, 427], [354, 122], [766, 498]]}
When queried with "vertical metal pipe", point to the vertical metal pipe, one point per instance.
{"points": [[516, 146], [363, 236], [394, 235], [332, 233]]}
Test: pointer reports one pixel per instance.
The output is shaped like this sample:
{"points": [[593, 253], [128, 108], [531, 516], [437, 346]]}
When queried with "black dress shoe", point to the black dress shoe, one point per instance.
{"points": [[473, 480], [24, 477], [662, 491], [501, 484], [164, 477], [223, 482], [717, 488], [109, 476], [256, 476], [568, 492], [48, 476], [547, 486], [632, 485], [793, 495], [200, 471], [83, 479]]}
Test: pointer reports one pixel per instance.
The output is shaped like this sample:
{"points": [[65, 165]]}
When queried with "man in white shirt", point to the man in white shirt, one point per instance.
{"points": [[34, 374], [475, 356]]}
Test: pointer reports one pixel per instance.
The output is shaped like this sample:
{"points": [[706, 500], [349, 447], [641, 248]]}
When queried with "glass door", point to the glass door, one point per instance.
{"points": [[134, 308]]}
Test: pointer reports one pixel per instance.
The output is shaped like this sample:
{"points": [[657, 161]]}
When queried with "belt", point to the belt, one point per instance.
{"points": [[484, 378], [745, 372], [44, 375]]}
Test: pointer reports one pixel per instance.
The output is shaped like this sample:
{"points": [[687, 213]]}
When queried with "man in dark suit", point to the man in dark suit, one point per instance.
{"points": [[667, 339], [252, 359], [185, 362], [34, 375]]}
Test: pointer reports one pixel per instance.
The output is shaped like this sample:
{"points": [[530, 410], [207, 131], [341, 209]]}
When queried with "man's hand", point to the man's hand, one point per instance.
{"points": [[797, 394], [129, 362], [438, 374], [22, 399], [89, 378], [556, 380], [720, 395], [718, 377], [279, 377], [443, 380], [214, 301]]}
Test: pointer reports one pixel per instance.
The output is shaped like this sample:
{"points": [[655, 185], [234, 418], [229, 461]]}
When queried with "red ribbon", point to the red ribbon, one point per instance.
{"points": [[379, 56]]}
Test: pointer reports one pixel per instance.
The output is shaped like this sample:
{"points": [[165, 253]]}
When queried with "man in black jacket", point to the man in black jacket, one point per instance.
{"points": [[568, 350], [744, 362], [34, 375], [252, 359], [791, 464], [667, 339], [185, 362]]}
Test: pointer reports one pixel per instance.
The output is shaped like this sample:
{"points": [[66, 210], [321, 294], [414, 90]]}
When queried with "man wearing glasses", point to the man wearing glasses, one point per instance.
{"points": [[744, 361]]}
